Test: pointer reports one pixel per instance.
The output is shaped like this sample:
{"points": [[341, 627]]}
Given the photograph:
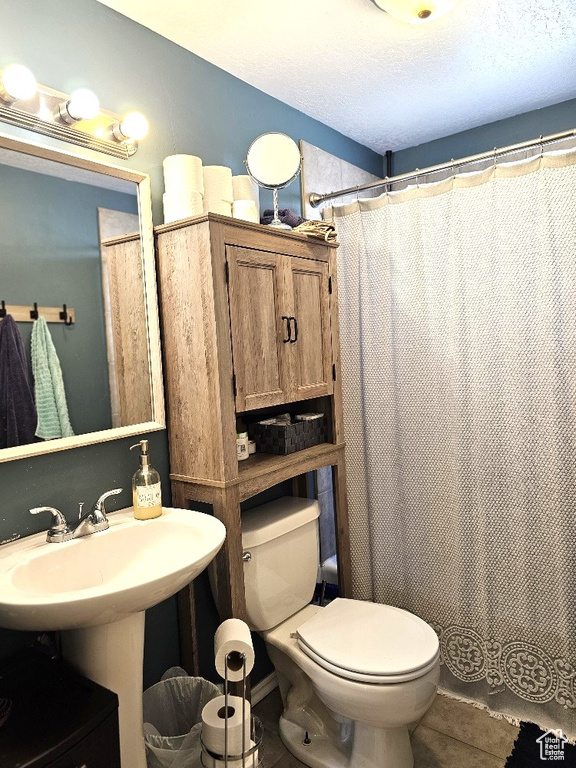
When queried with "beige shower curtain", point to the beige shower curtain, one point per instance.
{"points": [[458, 326]]}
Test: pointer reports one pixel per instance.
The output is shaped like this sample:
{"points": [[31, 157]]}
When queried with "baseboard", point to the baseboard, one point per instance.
{"points": [[263, 688]]}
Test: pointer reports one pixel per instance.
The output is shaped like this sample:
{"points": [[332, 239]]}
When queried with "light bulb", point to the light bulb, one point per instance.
{"points": [[416, 11], [83, 105], [133, 126], [17, 83]]}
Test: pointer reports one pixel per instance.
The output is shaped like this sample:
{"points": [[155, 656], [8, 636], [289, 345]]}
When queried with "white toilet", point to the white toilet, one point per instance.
{"points": [[352, 675]]}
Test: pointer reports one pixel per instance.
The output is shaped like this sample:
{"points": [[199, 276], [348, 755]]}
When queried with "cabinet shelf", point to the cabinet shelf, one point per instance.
{"points": [[263, 470]]}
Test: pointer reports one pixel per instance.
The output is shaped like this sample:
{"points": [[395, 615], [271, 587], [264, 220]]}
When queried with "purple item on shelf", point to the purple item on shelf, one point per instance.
{"points": [[286, 216]]}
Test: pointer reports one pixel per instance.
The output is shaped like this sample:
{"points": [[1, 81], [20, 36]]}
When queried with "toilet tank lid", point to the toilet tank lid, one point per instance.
{"points": [[272, 520]]}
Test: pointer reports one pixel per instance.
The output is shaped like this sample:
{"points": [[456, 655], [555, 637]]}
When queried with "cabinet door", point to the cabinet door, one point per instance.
{"points": [[257, 291], [311, 346]]}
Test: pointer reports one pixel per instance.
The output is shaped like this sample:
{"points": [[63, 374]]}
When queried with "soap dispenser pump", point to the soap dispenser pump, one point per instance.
{"points": [[146, 490]]}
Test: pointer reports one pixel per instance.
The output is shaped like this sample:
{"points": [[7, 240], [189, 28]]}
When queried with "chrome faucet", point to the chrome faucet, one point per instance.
{"points": [[90, 522]]}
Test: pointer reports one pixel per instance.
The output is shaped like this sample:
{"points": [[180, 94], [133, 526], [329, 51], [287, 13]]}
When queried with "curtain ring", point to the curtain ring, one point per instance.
{"points": [[541, 147], [494, 159], [417, 177]]}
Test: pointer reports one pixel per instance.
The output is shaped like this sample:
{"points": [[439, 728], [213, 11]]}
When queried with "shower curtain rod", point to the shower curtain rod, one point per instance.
{"points": [[315, 199]]}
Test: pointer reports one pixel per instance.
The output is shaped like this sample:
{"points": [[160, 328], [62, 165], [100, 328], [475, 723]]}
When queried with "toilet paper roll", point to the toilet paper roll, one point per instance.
{"points": [[216, 716], [213, 762], [183, 173], [180, 205], [246, 210], [245, 188], [212, 205], [233, 638], [218, 183]]}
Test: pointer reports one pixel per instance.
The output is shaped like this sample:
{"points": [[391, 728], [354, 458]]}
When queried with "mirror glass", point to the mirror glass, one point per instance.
{"points": [[79, 233], [273, 160]]}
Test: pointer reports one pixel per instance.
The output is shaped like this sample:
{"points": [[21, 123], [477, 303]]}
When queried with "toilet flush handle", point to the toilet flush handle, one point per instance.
{"points": [[246, 556]]}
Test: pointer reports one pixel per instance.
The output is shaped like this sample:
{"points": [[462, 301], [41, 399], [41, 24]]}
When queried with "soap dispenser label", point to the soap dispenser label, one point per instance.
{"points": [[148, 495]]}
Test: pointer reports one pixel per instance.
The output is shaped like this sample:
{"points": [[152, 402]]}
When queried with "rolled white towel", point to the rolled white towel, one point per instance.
{"points": [[183, 173], [181, 205], [245, 188], [245, 209], [212, 205], [218, 183]]}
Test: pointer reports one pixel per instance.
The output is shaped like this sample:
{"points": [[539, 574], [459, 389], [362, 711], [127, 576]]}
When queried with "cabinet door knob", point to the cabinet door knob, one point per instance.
{"points": [[288, 329], [295, 339]]}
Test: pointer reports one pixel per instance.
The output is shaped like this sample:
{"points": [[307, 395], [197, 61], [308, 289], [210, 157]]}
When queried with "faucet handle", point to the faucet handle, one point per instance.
{"points": [[100, 503], [80, 505], [59, 528]]}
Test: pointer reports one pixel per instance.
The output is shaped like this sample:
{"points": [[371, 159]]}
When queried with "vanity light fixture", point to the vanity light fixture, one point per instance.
{"points": [[17, 83], [133, 127], [416, 11], [77, 118], [82, 105]]}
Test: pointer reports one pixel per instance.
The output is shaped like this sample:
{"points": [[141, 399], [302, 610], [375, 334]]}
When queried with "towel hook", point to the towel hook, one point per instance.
{"points": [[65, 316], [3, 309], [34, 312]]}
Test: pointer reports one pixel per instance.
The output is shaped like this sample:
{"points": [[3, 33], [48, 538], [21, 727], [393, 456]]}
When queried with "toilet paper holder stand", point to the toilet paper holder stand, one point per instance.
{"points": [[249, 757]]}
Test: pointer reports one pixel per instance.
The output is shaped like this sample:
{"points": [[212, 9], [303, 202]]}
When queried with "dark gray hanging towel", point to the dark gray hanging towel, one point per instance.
{"points": [[17, 410]]}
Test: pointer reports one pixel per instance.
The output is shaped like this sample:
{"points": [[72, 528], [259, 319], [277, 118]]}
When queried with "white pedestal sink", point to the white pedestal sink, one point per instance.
{"points": [[96, 589]]}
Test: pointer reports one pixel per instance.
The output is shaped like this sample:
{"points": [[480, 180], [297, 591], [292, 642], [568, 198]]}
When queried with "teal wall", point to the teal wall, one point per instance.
{"points": [[503, 133], [50, 254], [192, 107]]}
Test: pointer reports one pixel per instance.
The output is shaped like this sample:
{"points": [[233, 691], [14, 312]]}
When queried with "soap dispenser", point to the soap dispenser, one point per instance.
{"points": [[146, 490]]}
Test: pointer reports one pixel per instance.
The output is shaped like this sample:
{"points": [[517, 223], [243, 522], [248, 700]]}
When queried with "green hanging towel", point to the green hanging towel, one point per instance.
{"points": [[53, 420]]}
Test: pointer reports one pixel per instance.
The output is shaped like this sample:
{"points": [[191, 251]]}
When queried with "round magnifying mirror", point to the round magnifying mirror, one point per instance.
{"points": [[273, 161]]}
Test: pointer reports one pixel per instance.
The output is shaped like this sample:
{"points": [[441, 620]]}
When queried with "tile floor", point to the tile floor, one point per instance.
{"points": [[450, 735]]}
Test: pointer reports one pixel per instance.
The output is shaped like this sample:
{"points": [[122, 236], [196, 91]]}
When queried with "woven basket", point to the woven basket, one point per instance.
{"points": [[288, 438]]}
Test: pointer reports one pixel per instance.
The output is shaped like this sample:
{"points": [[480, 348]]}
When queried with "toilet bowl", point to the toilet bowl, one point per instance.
{"points": [[353, 675], [370, 718]]}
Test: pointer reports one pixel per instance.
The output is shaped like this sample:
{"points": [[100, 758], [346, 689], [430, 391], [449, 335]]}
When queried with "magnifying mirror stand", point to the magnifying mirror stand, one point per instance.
{"points": [[276, 220]]}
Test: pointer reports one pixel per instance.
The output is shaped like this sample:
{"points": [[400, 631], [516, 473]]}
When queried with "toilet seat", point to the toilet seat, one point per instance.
{"points": [[369, 642]]}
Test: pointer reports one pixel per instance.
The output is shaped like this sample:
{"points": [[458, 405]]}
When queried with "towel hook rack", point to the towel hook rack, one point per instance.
{"points": [[28, 313], [65, 316]]}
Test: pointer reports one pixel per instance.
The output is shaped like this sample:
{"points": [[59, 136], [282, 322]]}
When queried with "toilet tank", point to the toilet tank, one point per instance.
{"points": [[280, 575]]}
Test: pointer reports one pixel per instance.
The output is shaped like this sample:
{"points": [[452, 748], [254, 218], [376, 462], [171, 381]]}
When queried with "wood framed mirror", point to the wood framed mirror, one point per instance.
{"points": [[77, 232]]}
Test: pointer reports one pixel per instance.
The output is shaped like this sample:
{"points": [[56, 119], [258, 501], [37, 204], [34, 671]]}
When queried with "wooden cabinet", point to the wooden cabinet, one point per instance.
{"points": [[311, 349], [258, 308], [280, 324], [126, 331], [249, 322]]}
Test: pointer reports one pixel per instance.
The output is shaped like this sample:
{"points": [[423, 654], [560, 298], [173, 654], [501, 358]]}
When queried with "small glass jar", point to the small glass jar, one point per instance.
{"points": [[242, 445]]}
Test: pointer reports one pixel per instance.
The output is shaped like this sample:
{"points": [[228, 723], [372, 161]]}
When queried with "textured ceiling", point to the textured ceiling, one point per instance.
{"points": [[386, 84]]}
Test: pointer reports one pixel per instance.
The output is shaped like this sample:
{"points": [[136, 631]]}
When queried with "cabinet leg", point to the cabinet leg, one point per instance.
{"points": [[229, 565], [186, 601], [187, 630], [342, 528]]}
